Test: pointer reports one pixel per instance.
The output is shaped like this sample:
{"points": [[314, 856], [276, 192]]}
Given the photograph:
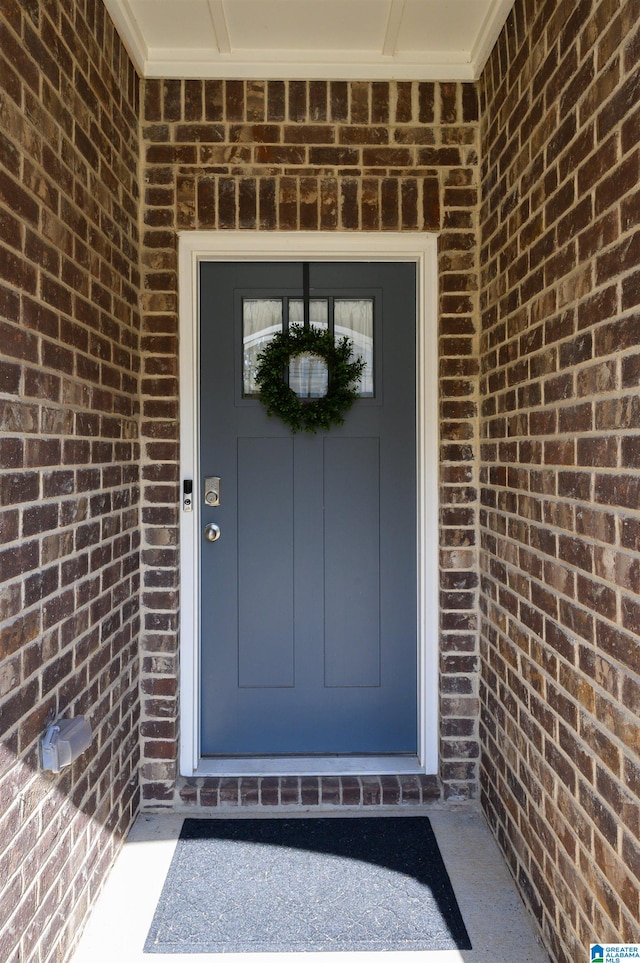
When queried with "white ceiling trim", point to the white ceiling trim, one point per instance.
{"points": [[489, 33], [220, 54], [172, 65]]}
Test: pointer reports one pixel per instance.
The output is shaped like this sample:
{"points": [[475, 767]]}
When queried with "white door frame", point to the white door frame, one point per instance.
{"points": [[421, 249]]}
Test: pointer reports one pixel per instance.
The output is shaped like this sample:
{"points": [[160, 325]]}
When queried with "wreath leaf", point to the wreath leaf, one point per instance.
{"points": [[282, 402]]}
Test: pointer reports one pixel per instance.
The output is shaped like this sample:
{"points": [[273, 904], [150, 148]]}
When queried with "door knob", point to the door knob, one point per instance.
{"points": [[211, 532]]}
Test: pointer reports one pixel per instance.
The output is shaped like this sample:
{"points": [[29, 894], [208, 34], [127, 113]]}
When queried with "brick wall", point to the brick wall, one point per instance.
{"points": [[69, 282], [310, 156], [560, 488]]}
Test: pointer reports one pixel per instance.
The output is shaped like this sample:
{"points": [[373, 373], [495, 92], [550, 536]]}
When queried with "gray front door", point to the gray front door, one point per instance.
{"points": [[308, 612]]}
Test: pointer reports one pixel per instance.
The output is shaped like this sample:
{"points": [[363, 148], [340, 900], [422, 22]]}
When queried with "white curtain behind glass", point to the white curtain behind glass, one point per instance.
{"points": [[354, 320], [261, 319]]}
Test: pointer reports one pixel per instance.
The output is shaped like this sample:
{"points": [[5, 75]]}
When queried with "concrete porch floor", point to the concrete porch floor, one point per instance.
{"points": [[497, 922]]}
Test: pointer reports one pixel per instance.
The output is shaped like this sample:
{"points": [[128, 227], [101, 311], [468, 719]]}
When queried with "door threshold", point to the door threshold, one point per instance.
{"points": [[310, 766]]}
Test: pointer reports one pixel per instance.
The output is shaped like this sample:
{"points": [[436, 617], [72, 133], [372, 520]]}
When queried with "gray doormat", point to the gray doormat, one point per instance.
{"points": [[284, 885]]}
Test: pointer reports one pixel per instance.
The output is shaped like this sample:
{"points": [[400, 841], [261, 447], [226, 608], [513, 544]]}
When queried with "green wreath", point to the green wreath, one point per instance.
{"points": [[343, 376]]}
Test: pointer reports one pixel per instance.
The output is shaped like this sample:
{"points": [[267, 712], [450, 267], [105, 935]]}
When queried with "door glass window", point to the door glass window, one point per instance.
{"points": [[308, 375], [353, 319], [318, 312], [261, 319]]}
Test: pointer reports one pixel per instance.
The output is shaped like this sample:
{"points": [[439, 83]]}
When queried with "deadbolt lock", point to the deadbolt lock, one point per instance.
{"points": [[212, 490]]}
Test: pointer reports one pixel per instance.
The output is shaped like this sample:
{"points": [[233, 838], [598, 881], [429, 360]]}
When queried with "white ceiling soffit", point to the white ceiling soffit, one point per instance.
{"points": [[310, 39]]}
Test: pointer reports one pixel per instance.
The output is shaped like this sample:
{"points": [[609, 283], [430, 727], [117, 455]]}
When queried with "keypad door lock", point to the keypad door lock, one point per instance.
{"points": [[212, 491]]}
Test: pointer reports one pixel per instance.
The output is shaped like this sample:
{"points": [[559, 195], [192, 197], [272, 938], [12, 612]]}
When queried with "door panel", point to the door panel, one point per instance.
{"points": [[352, 564], [308, 613], [265, 563]]}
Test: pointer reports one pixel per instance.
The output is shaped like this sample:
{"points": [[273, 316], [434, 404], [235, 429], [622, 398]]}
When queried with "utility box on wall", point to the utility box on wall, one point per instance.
{"points": [[64, 741]]}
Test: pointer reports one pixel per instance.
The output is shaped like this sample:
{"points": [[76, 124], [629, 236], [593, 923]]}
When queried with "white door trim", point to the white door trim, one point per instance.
{"points": [[421, 249]]}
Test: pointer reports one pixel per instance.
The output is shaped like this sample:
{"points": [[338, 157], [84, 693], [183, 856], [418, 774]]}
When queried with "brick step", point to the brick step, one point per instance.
{"points": [[308, 792]]}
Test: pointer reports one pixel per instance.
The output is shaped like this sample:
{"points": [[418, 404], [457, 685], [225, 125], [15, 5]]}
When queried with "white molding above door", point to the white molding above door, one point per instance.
{"points": [[421, 249]]}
